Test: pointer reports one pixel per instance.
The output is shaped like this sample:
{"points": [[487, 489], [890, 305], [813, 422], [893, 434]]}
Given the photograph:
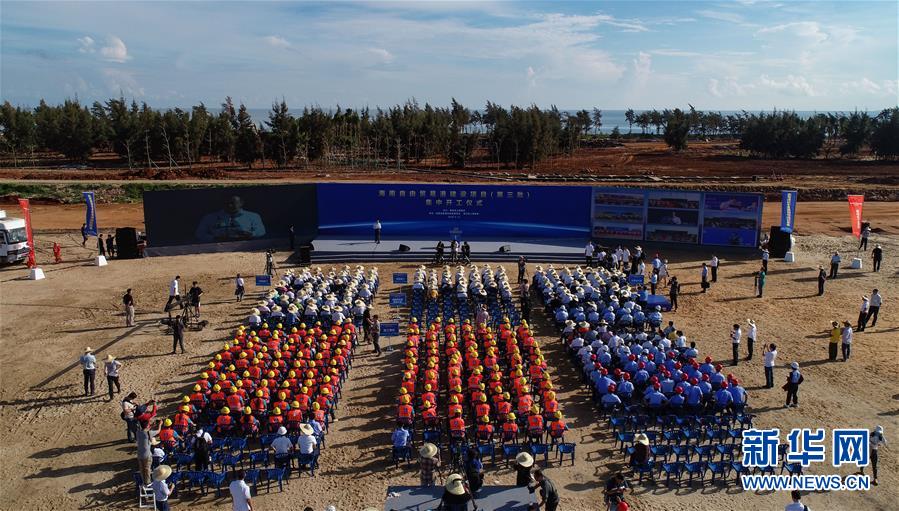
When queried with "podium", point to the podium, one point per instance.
{"points": [[789, 257], [101, 261], [36, 274], [856, 263]]}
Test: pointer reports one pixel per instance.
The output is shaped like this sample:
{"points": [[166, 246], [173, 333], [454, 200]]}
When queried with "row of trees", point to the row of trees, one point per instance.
{"points": [[403, 134]]}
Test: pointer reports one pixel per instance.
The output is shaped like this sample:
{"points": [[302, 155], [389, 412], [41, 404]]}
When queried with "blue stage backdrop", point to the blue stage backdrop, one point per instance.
{"points": [[454, 211]]}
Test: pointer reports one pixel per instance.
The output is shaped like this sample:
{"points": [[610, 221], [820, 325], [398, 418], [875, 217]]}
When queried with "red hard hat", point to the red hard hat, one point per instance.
{"points": [[656, 386], [632, 357], [724, 385], [679, 390], [718, 367], [641, 365], [683, 376], [654, 379], [617, 372], [612, 387], [650, 357], [708, 360], [622, 506], [677, 365], [705, 377], [693, 381], [626, 376]]}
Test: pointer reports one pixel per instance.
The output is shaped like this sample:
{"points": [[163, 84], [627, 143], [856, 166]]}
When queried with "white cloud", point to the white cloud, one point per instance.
{"points": [[810, 30], [119, 81], [632, 25], [86, 44], [885, 88], [792, 84], [115, 50], [277, 41], [532, 77], [728, 87], [667, 52], [642, 67], [730, 17], [381, 55]]}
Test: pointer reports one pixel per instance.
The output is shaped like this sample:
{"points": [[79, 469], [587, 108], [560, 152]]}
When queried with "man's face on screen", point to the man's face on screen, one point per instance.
{"points": [[233, 205]]}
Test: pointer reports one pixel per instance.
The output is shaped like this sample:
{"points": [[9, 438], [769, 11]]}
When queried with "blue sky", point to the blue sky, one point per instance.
{"points": [[714, 55]]}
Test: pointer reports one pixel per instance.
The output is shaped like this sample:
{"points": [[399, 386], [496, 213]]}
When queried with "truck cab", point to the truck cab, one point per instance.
{"points": [[13, 239]]}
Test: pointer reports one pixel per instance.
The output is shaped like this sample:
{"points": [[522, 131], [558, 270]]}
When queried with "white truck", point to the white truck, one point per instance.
{"points": [[13, 239]]}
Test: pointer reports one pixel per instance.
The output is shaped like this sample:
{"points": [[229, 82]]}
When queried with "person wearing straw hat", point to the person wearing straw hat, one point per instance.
{"points": [[240, 493], [162, 489], [89, 367], [307, 441], [429, 462], [794, 380], [112, 367], [846, 337], [523, 463], [456, 495], [863, 314], [641, 455], [751, 337], [836, 334]]}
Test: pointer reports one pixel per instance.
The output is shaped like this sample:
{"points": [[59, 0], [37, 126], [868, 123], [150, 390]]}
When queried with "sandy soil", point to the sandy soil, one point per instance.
{"points": [[64, 451]]}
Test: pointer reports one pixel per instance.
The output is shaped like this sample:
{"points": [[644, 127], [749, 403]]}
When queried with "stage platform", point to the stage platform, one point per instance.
{"points": [[336, 250], [416, 498]]}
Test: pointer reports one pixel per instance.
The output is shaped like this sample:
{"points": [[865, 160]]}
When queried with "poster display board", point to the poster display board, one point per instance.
{"points": [[618, 213], [673, 216], [731, 219]]}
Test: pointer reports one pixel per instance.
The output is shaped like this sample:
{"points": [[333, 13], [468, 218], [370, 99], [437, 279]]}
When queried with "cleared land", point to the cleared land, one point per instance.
{"points": [[64, 451]]}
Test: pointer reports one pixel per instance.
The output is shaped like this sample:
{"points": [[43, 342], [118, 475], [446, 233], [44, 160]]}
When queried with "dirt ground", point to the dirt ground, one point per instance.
{"points": [[63, 451]]}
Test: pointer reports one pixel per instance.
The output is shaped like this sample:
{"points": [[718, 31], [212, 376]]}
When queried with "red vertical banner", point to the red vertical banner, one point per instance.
{"points": [[26, 211], [856, 202]]}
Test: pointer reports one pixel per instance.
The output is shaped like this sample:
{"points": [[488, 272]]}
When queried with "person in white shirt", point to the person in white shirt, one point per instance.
{"points": [[239, 287], [797, 504], [161, 489], [735, 336], [588, 253], [282, 444], [714, 265], [377, 228], [863, 314], [240, 493], [307, 441], [750, 339], [174, 292], [846, 336], [873, 308], [765, 256], [770, 358], [875, 441]]}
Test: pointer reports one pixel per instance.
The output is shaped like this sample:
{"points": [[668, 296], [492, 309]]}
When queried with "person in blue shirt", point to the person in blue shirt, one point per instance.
{"points": [[655, 399], [561, 315], [655, 317], [631, 365], [625, 388], [716, 378], [667, 385], [707, 367], [602, 386], [694, 397], [723, 398], [642, 375], [739, 395], [231, 223], [611, 400], [691, 352], [604, 358], [677, 400]]}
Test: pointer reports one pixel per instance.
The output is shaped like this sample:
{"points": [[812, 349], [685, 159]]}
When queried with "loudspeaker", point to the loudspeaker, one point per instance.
{"points": [[306, 254], [404, 248], [126, 243], [505, 248], [778, 242]]}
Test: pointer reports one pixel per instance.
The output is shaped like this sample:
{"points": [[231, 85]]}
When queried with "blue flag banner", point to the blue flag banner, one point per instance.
{"points": [[635, 280], [788, 210], [90, 214], [390, 329], [400, 278], [263, 280]]}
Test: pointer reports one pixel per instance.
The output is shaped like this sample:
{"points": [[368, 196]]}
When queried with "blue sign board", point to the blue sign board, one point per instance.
{"points": [[636, 280], [400, 278], [788, 210], [263, 280], [390, 329], [397, 299]]}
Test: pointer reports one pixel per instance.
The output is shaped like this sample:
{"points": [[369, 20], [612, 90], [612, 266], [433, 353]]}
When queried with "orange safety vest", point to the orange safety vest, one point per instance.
{"points": [[510, 427], [552, 406], [535, 423], [181, 421], [404, 411], [454, 408], [524, 404], [457, 424], [167, 435], [485, 429], [319, 416], [223, 420], [557, 427], [482, 409], [275, 420], [198, 399], [429, 414], [295, 415], [234, 402]]}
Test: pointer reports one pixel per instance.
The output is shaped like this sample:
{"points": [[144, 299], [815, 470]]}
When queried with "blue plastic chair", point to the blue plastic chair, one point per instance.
{"points": [[510, 451], [251, 477], [566, 448], [694, 468], [401, 454], [738, 467], [719, 468], [791, 468], [538, 449], [260, 457], [230, 461], [645, 468], [274, 474], [308, 462], [487, 449], [183, 460], [432, 436], [660, 451], [703, 451], [726, 450], [672, 436], [680, 451], [215, 479], [676, 468], [623, 439]]}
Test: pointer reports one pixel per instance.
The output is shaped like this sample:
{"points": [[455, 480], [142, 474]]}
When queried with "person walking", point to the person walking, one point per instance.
{"points": [[863, 239], [873, 308], [57, 253], [194, 295], [653, 282], [129, 407], [765, 256], [794, 380], [112, 366], [714, 265], [174, 292], [128, 302], [875, 440], [89, 368], [836, 334], [588, 253], [110, 245], [704, 275], [797, 504], [834, 265], [673, 292], [376, 334], [177, 334], [751, 337], [240, 492], [663, 273], [863, 314], [377, 229], [83, 235], [735, 336], [239, 288], [162, 489], [549, 495], [846, 337], [877, 257], [101, 247], [770, 360], [822, 278], [762, 276]]}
